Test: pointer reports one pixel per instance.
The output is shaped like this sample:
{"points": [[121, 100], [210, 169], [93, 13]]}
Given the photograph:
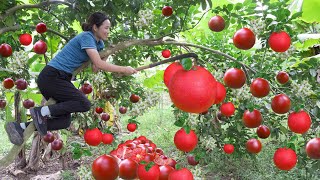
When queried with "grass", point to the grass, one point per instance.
{"points": [[5, 143]]}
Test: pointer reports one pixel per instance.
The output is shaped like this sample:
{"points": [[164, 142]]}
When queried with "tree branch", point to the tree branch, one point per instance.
{"points": [[30, 6], [17, 27]]}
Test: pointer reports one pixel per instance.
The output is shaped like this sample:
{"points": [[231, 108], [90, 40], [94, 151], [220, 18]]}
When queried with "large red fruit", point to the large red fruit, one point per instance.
{"points": [[170, 71], [40, 47], [279, 41], [21, 84], [285, 158], [221, 93], [216, 23], [3, 103], [252, 119], [166, 53], [128, 169], [193, 91], [244, 39], [105, 167], [299, 122], [8, 83], [228, 148], [263, 131], [253, 146], [93, 137], [134, 98], [25, 39], [107, 138], [313, 148], [234, 78], [5, 50], [259, 88], [282, 77], [227, 109], [132, 127], [185, 142], [165, 170], [41, 28], [281, 104], [152, 174], [183, 173], [167, 11]]}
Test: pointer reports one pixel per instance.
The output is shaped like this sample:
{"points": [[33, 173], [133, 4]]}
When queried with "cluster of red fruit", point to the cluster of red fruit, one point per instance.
{"points": [[56, 144], [94, 137], [138, 158], [40, 47]]}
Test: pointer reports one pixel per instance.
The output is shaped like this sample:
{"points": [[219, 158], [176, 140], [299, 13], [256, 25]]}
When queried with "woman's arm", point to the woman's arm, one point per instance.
{"points": [[99, 63]]}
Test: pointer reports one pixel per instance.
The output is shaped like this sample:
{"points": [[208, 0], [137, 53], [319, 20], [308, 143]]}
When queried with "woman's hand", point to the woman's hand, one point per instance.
{"points": [[129, 70], [95, 69]]}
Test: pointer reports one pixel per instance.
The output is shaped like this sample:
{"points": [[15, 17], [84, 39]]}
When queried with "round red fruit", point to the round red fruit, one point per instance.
{"points": [[183, 173], [28, 103], [165, 170], [166, 53], [253, 146], [299, 122], [263, 132], [107, 138], [3, 103], [5, 50], [244, 39], [86, 88], [285, 158], [57, 144], [185, 142], [128, 169], [132, 127], [216, 23], [234, 78], [41, 28], [49, 137], [21, 84], [167, 10], [8, 83], [228, 148], [105, 167], [227, 109], [93, 137], [122, 110], [313, 148], [134, 98], [279, 41], [259, 88], [221, 93], [282, 77], [40, 47], [99, 110], [105, 116], [281, 104], [152, 173], [170, 71], [252, 119], [25, 39]]}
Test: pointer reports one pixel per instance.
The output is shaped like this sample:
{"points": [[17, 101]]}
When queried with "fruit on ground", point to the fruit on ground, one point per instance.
{"points": [[313, 148], [279, 41], [185, 142], [299, 122], [189, 96], [285, 158], [105, 167], [234, 78], [244, 39]]}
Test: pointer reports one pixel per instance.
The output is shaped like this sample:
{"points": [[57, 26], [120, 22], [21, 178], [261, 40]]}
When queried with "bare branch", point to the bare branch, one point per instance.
{"points": [[17, 27], [30, 6]]}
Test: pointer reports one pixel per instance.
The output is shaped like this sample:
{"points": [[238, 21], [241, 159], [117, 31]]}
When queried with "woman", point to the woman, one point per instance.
{"points": [[54, 81]]}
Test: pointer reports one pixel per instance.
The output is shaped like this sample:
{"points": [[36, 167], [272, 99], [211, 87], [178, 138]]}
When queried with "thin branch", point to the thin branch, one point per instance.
{"points": [[31, 6], [17, 27]]}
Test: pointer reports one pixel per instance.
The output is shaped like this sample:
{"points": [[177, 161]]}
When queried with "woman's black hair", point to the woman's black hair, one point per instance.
{"points": [[96, 18]]}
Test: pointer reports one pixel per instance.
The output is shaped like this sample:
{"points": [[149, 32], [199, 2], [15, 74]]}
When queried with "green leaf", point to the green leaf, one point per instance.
{"points": [[179, 122], [76, 26], [296, 15], [187, 128], [154, 80], [186, 63], [310, 9], [149, 166], [87, 152]]}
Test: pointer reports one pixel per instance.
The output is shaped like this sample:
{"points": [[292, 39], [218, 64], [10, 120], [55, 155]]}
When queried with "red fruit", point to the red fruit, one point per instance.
{"points": [[170, 71], [165, 170], [259, 88], [49, 137], [228, 148], [57, 144], [221, 93], [167, 11], [105, 116], [128, 169], [282, 77], [5, 50], [234, 78], [263, 132], [166, 53], [122, 110], [244, 39], [8, 83], [253, 146], [134, 98], [299, 122], [93, 137], [40, 47], [21, 84], [183, 173], [191, 160], [99, 110], [107, 138], [313, 148], [28, 103], [25, 39], [227, 109], [3, 103], [216, 23], [279, 41], [281, 104], [132, 127], [252, 119], [152, 174], [185, 142], [86, 88], [285, 158], [41, 28], [190, 96], [105, 167]]}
